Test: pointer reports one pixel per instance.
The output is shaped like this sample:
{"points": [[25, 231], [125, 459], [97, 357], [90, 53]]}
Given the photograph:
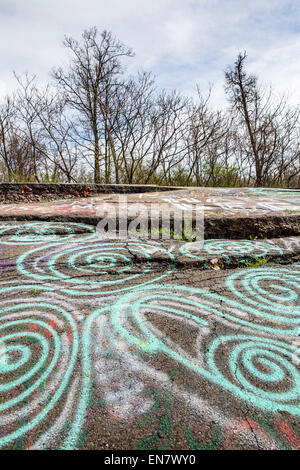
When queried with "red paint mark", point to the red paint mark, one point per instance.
{"points": [[243, 425], [25, 188], [87, 191], [33, 327], [51, 323], [288, 434], [70, 335]]}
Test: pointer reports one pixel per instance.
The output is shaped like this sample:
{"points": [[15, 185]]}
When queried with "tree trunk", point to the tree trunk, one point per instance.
{"points": [[96, 162]]}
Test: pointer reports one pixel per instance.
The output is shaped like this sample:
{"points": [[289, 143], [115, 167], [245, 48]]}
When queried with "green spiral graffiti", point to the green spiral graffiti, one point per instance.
{"points": [[45, 232], [274, 356], [207, 301], [87, 265], [226, 248], [31, 349], [273, 292], [253, 367]]}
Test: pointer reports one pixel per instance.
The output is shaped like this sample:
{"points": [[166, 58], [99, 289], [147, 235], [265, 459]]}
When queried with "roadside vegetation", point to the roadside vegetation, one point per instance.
{"points": [[256, 261]]}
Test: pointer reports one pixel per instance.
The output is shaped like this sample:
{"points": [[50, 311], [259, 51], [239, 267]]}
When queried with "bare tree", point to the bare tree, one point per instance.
{"points": [[18, 143], [43, 124], [96, 123], [7, 118], [147, 130], [204, 140], [92, 75], [261, 117]]}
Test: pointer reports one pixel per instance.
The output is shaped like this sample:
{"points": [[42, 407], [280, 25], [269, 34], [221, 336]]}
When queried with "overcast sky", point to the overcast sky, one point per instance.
{"points": [[183, 42]]}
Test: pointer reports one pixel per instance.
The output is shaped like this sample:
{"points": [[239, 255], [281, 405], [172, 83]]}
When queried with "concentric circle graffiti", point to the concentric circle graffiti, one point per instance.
{"points": [[229, 247], [41, 232], [273, 292], [260, 370], [39, 348], [233, 310], [108, 332], [248, 353], [96, 268]]}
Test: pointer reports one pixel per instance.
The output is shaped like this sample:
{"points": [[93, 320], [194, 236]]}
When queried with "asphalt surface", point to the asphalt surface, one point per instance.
{"points": [[235, 213], [147, 345]]}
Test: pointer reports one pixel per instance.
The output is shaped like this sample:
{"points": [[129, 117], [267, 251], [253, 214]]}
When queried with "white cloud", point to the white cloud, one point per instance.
{"points": [[182, 41], [3, 88]]}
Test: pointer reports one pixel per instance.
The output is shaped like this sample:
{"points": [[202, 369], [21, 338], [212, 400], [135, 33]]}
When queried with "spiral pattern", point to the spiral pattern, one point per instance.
{"points": [[96, 268], [38, 349], [184, 300], [260, 370], [273, 292], [230, 247], [171, 301], [50, 354], [256, 369], [45, 232]]}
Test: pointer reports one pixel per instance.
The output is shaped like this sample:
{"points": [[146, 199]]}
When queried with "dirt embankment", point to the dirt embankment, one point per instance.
{"points": [[11, 193]]}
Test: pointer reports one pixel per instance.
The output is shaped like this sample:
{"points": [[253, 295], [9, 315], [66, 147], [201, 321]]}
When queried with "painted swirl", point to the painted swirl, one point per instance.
{"points": [[259, 370], [39, 348], [226, 248], [272, 292], [45, 232], [96, 268]]}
